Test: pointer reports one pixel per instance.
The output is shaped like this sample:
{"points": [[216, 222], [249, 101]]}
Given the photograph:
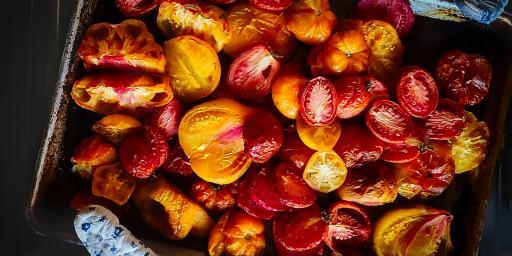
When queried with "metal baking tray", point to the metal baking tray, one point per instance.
{"points": [[54, 185]]}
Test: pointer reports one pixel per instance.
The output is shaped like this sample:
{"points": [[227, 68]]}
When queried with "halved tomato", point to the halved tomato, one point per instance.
{"points": [[293, 150], [167, 118], [417, 91], [116, 127], [446, 122], [407, 151], [311, 21], [189, 17], [348, 226], [272, 5], [263, 136], [352, 96], [396, 12], [292, 188], [285, 93], [325, 171], [248, 199], [318, 102], [113, 183], [130, 93], [318, 137], [470, 147], [376, 88], [91, 153], [266, 190], [193, 66], [250, 75], [358, 146], [213, 196], [177, 162], [466, 78], [389, 122], [124, 46]]}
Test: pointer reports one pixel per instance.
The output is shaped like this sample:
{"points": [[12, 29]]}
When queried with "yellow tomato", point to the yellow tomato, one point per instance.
{"points": [[285, 93], [325, 171], [319, 137], [311, 21]]}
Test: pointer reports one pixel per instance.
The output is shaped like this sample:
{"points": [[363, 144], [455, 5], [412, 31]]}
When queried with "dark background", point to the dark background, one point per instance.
{"points": [[32, 38]]}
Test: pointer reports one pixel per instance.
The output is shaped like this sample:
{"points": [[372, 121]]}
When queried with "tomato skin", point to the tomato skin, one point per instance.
{"points": [[292, 188], [285, 92], [263, 136], [167, 118], [177, 162], [294, 151], [91, 153], [113, 183], [376, 88], [358, 146], [446, 122], [312, 22], [116, 127], [136, 8], [271, 5], [388, 121], [318, 137], [320, 93], [352, 96], [465, 78], [249, 200], [214, 197], [397, 12], [417, 91]]}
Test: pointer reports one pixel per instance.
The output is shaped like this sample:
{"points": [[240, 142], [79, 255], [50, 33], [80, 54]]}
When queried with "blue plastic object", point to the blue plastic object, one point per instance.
{"points": [[482, 11]]}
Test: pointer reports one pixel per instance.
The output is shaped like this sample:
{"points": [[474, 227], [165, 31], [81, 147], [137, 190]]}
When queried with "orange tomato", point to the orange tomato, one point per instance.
{"points": [[285, 93], [249, 26], [211, 137], [193, 66], [311, 21], [115, 127], [111, 182], [325, 171], [91, 153], [385, 47], [318, 137]]}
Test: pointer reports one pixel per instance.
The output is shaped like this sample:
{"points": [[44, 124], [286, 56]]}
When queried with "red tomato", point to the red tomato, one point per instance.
{"points": [[294, 191], [249, 201], [446, 122], [407, 151], [263, 136], [177, 162], [221, 1], [250, 75], [375, 87], [294, 150], [167, 118], [389, 122], [464, 77], [352, 96], [417, 91], [318, 102], [266, 190], [143, 153], [349, 226], [396, 12], [135, 8], [358, 146], [213, 196], [272, 5], [298, 231]]}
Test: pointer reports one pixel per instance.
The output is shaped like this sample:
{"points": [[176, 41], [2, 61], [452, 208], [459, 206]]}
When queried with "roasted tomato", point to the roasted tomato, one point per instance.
{"points": [[464, 77], [115, 127], [346, 52], [293, 150], [373, 184], [396, 12], [376, 88], [325, 171], [91, 153], [189, 17], [318, 102], [221, 1], [135, 8], [318, 137], [427, 175], [141, 154], [113, 183], [193, 66], [213, 196], [167, 118], [292, 188], [130, 93], [177, 162], [470, 147], [352, 96], [271, 5], [311, 21], [266, 190], [237, 233], [389, 122], [348, 226], [249, 197], [285, 93], [263, 136], [417, 92], [385, 48], [85, 198], [249, 26], [124, 46], [166, 209], [211, 137], [250, 75], [299, 232], [414, 230], [358, 146], [446, 122], [400, 153]]}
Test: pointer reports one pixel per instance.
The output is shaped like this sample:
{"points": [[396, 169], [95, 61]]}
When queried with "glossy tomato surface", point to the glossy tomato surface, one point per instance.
{"points": [[352, 96], [417, 91], [446, 122], [311, 21], [389, 122], [358, 146], [318, 102], [263, 136]]}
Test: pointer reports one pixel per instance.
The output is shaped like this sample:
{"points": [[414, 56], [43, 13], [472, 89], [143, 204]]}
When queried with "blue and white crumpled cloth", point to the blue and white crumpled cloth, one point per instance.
{"points": [[99, 230]]}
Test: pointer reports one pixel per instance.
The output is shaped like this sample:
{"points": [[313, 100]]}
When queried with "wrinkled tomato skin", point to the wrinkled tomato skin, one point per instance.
{"points": [[327, 102], [250, 75], [396, 12], [352, 96], [91, 153], [400, 152], [136, 8], [465, 78], [167, 118], [358, 146], [214, 197], [271, 5], [312, 22], [388, 121], [353, 224], [446, 122], [116, 127], [429, 174], [177, 162], [285, 92], [143, 153], [113, 183], [294, 151], [417, 91], [266, 190], [294, 191], [263, 136], [376, 88], [249, 200]]}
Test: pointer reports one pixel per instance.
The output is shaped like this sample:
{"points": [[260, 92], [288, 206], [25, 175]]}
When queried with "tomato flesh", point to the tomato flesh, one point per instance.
{"points": [[417, 92], [318, 102], [389, 122]]}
